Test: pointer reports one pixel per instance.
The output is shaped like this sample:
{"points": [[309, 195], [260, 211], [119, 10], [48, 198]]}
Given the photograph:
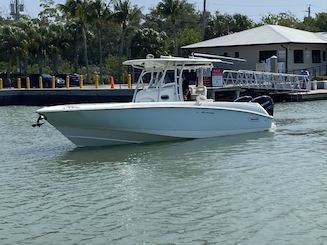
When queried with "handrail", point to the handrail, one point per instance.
{"points": [[266, 80]]}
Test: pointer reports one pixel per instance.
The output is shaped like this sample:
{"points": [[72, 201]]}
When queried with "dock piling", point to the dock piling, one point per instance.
{"points": [[81, 81], [129, 81], [53, 82], [67, 81], [96, 81], [28, 83], [40, 82], [19, 83]]}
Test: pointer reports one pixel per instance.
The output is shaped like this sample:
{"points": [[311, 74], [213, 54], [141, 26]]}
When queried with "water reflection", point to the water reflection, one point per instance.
{"points": [[255, 188], [169, 150]]}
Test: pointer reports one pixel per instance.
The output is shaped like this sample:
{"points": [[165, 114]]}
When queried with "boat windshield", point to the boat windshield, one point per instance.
{"points": [[154, 79]]}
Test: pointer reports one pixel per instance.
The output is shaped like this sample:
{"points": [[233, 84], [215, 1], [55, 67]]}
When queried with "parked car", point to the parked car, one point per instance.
{"points": [[74, 78], [46, 80]]}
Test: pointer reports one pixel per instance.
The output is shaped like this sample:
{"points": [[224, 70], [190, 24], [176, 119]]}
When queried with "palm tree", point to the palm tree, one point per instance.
{"points": [[78, 10], [57, 41], [13, 45], [171, 9], [126, 16], [100, 14], [39, 41], [28, 27], [73, 36]]}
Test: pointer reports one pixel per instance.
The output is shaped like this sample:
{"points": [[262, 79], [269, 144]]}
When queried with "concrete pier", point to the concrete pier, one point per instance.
{"points": [[231, 93], [45, 97], [38, 97]]}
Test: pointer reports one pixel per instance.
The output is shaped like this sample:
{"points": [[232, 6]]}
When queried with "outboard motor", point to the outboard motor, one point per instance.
{"points": [[266, 102], [246, 98]]}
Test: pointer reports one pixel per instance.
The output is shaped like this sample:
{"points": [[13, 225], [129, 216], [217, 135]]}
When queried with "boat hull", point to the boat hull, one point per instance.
{"points": [[129, 123]]}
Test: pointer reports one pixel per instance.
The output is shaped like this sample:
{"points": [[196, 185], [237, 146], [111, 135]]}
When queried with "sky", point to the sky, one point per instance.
{"points": [[254, 9]]}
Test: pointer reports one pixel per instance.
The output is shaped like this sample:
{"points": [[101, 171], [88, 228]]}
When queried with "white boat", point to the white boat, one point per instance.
{"points": [[160, 109]]}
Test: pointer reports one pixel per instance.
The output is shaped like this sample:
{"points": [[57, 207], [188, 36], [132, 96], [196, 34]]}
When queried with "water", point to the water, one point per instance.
{"points": [[262, 188]]}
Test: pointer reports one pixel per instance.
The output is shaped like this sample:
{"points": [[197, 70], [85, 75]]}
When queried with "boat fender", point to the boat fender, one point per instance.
{"points": [[266, 102], [40, 118]]}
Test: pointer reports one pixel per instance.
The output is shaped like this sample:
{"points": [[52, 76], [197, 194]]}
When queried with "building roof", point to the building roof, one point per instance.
{"points": [[322, 35], [267, 34]]}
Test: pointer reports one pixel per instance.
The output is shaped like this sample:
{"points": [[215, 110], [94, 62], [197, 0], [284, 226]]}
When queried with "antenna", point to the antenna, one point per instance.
{"points": [[16, 6], [217, 56], [309, 11]]}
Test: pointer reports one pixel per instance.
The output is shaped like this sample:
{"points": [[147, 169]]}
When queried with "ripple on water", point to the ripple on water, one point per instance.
{"points": [[262, 188]]}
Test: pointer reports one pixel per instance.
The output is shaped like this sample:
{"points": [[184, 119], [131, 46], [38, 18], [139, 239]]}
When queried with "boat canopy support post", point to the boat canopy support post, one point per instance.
{"points": [[138, 84], [160, 82]]}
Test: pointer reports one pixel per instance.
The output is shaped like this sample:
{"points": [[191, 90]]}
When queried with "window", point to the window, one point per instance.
{"points": [[316, 56], [298, 56], [263, 55], [237, 54], [324, 56], [226, 54]]}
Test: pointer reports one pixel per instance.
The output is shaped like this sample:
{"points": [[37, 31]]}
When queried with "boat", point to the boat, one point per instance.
{"points": [[163, 108]]}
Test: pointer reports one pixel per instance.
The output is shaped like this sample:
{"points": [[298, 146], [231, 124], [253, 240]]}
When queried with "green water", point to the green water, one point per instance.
{"points": [[262, 188]]}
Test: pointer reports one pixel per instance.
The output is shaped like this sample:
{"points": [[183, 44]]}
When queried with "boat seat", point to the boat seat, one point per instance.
{"points": [[198, 90]]}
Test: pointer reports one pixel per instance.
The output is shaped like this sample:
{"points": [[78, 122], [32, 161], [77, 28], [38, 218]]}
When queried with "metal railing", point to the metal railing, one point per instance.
{"points": [[266, 80]]}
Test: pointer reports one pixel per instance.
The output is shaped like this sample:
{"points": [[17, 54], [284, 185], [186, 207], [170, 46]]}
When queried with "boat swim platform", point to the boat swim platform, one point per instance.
{"points": [[46, 97]]}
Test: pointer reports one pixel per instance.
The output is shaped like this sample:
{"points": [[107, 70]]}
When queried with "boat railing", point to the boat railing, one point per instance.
{"points": [[266, 80]]}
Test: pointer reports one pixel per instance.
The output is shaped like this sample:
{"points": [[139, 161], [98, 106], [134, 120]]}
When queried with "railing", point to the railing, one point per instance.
{"points": [[40, 83], [266, 80]]}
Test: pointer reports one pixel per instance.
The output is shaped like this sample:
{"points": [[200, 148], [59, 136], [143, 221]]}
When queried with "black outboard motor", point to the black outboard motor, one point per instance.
{"points": [[246, 98], [266, 102]]}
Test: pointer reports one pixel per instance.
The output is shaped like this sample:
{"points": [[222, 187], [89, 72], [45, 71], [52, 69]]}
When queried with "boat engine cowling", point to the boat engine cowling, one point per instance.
{"points": [[245, 98], [266, 102]]}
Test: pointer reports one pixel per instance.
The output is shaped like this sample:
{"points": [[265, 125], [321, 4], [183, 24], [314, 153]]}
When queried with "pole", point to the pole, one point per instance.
{"points": [[204, 17], [28, 83], [309, 11], [81, 81], [17, 10]]}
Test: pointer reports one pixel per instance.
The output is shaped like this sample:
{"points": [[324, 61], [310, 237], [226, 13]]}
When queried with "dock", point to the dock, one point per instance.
{"points": [[231, 93], [47, 97]]}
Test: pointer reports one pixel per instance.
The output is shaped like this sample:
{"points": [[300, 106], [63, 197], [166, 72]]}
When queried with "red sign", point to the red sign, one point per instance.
{"points": [[217, 71]]}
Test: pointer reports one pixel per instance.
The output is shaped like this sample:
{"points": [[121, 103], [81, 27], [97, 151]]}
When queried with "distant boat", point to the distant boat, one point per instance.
{"points": [[164, 108]]}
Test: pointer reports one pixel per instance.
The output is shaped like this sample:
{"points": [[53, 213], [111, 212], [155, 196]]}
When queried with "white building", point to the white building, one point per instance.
{"points": [[296, 50]]}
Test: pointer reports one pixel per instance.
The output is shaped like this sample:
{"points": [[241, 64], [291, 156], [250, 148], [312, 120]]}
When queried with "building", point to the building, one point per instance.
{"points": [[295, 49]]}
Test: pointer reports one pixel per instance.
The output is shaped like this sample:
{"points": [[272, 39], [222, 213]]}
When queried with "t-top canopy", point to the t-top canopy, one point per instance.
{"points": [[172, 63]]}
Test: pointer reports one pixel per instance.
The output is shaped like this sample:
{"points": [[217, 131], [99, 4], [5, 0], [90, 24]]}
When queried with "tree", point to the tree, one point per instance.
{"points": [[127, 17], [224, 24], [320, 22], [49, 11], [284, 19], [38, 31], [100, 15], [57, 41], [171, 9], [188, 36], [13, 45], [78, 11], [148, 41]]}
